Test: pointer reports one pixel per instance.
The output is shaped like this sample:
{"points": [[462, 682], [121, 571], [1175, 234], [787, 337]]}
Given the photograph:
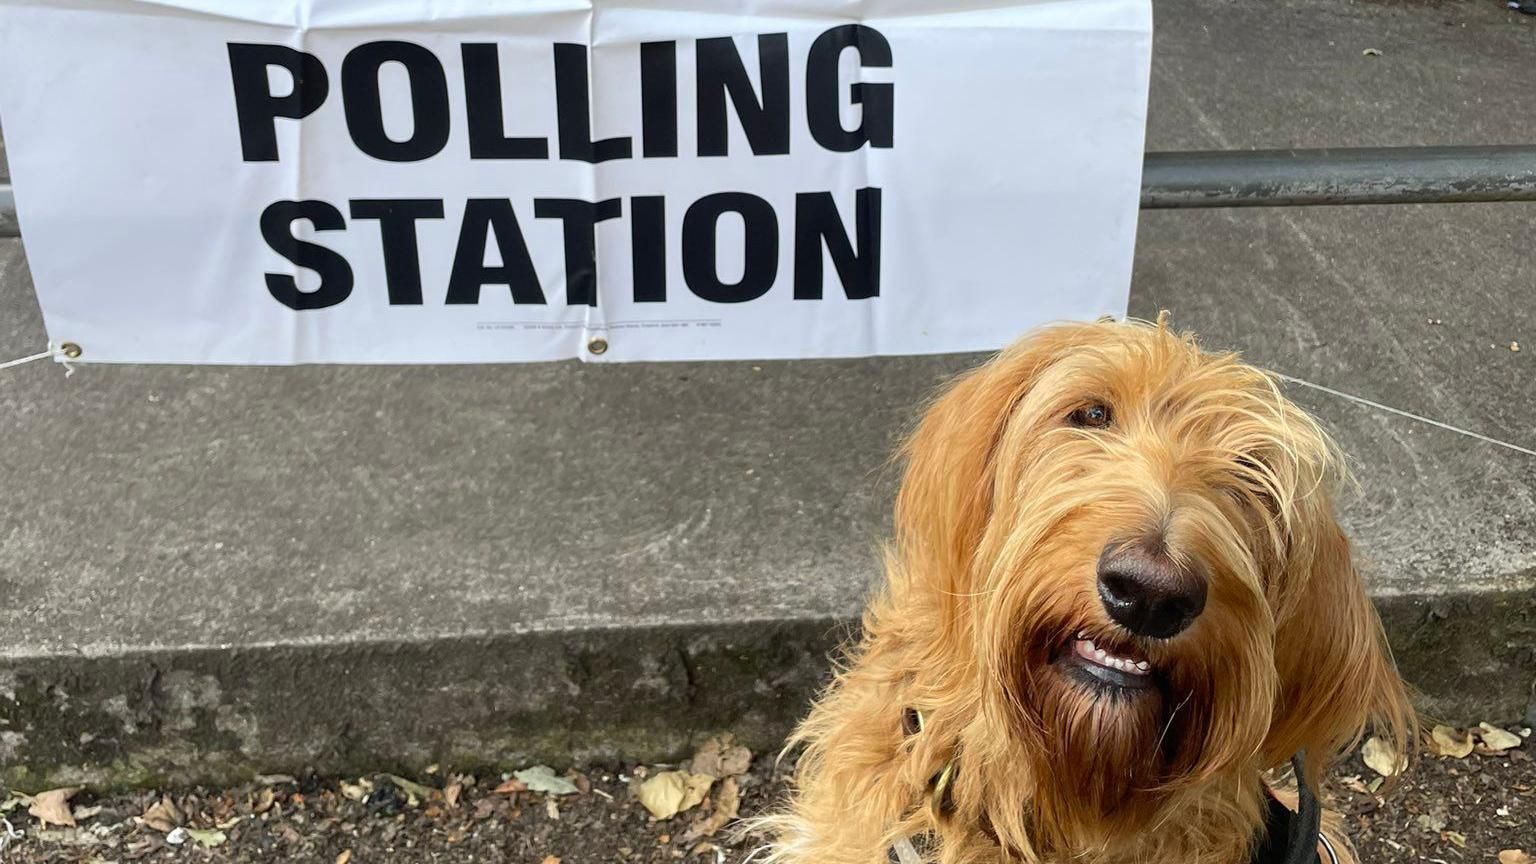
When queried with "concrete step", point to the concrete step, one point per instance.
{"points": [[206, 572]]}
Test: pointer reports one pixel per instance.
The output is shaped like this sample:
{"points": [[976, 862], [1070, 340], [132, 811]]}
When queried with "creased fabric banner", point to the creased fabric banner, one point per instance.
{"points": [[381, 181]]}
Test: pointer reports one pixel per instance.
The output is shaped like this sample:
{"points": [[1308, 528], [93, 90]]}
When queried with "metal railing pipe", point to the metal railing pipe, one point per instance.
{"points": [[1289, 178], [1373, 175]]}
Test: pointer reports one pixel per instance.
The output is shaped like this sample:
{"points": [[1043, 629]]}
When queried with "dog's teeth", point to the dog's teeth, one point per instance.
{"points": [[1085, 648]]}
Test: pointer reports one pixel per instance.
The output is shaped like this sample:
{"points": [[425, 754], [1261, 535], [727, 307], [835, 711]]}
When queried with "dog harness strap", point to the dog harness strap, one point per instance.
{"points": [[903, 852], [913, 722], [1292, 838], [1333, 856], [1307, 827]]}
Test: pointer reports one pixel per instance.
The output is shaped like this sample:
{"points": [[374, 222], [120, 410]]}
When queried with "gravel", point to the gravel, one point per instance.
{"points": [[1444, 811]]}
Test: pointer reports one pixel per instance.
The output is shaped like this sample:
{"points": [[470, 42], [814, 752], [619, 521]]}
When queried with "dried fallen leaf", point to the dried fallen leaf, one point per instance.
{"points": [[671, 792], [1381, 758], [1353, 783], [552, 809], [720, 757], [1516, 856], [727, 805], [162, 816], [1455, 838], [357, 791], [344, 857], [541, 778], [52, 807], [206, 838], [264, 801], [1447, 741], [698, 790], [415, 793], [451, 794], [1495, 738], [510, 787]]}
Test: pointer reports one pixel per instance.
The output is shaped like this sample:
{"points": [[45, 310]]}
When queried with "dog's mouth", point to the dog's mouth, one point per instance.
{"points": [[1093, 664]]}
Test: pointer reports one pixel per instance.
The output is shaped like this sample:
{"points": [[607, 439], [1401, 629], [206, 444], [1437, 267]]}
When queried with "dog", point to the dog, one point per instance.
{"points": [[1117, 600]]}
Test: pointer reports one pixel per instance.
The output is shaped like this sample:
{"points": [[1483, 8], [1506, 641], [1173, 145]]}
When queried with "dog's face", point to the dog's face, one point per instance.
{"points": [[1141, 552]]}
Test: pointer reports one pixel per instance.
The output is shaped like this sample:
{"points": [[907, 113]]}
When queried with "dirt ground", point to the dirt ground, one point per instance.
{"points": [[1444, 811]]}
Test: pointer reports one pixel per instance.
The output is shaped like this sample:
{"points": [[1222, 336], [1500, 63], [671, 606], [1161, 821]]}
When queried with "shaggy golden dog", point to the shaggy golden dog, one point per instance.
{"points": [[1117, 600]]}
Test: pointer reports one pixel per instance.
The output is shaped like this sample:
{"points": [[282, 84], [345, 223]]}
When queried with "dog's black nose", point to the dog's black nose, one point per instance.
{"points": [[1147, 592]]}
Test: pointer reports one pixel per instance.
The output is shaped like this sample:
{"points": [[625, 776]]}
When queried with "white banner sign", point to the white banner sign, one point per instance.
{"points": [[383, 181]]}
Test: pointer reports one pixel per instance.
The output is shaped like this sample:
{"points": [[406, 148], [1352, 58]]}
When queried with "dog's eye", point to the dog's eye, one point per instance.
{"points": [[1092, 416]]}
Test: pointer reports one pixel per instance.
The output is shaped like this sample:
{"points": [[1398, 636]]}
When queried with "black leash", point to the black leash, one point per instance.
{"points": [[1292, 838]]}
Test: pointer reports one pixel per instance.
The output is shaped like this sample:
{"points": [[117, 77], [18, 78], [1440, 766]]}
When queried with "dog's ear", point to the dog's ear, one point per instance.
{"points": [[1336, 675], [946, 491]]}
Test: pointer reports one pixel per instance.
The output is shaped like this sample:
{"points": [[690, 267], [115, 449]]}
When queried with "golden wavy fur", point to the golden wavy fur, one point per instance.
{"points": [[1008, 502]]}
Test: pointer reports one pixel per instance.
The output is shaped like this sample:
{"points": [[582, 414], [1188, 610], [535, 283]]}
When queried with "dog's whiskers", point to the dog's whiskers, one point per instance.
{"points": [[1169, 815], [1169, 725], [985, 593]]}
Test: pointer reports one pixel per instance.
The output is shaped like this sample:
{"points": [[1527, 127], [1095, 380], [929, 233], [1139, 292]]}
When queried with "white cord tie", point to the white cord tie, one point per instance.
{"points": [[64, 353]]}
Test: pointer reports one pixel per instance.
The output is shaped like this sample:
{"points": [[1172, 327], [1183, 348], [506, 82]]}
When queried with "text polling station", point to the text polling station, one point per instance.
{"points": [[381, 182]]}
